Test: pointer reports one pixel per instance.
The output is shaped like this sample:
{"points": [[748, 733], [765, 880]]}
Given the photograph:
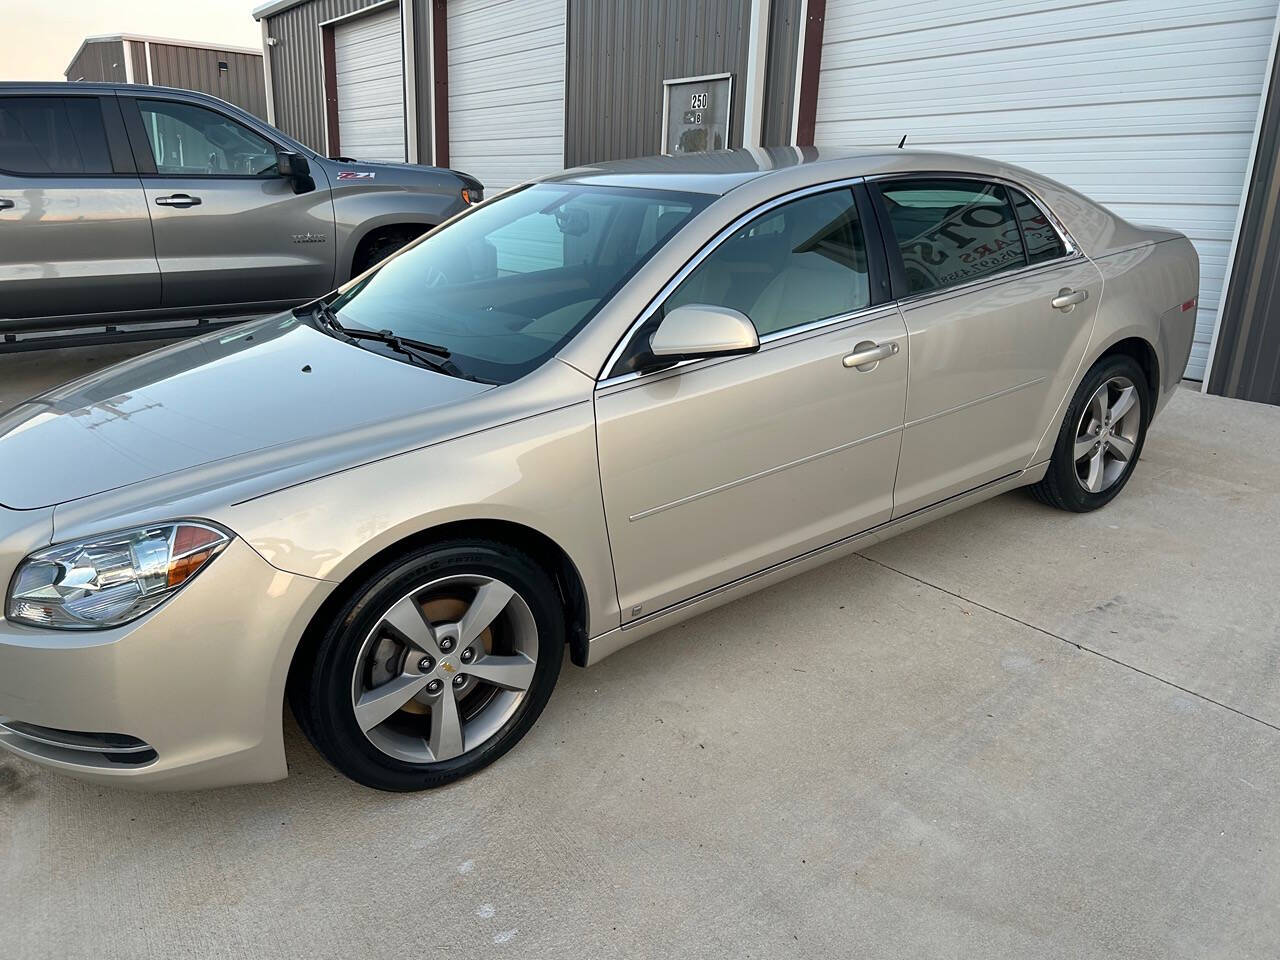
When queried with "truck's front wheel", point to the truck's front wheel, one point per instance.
{"points": [[381, 244]]}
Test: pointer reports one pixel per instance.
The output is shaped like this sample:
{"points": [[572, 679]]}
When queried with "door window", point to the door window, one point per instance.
{"points": [[187, 140], [803, 261], [952, 231], [53, 135], [1043, 242]]}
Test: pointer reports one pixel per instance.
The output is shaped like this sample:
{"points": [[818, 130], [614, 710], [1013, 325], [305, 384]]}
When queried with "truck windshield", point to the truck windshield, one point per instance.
{"points": [[506, 286]]}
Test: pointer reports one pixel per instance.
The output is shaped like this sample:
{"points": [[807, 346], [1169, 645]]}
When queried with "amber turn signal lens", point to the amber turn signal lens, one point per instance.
{"points": [[192, 546]]}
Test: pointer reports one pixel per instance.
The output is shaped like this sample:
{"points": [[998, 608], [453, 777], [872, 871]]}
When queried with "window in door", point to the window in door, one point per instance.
{"points": [[797, 263], [53, 135], [1043, 241], [187, 140], [803, 261], [952, 231]]}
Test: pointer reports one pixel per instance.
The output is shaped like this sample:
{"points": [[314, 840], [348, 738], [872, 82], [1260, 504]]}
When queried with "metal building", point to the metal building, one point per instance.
{"points": [[232, 73], [1153, 107]]}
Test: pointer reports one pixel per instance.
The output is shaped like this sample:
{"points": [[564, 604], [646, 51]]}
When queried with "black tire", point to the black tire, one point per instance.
{"points": [[321, 695], [1061, 486], [373, 252]]}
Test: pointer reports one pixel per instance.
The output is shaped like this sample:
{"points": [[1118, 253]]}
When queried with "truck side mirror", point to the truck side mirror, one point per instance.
{"points": [[295, 167]]}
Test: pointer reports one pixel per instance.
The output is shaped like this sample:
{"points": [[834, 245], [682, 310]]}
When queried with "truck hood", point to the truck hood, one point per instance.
{"points": [[266, 384]]}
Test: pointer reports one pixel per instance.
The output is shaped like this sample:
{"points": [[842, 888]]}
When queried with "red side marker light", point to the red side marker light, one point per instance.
{"points": [[1189, 305]]}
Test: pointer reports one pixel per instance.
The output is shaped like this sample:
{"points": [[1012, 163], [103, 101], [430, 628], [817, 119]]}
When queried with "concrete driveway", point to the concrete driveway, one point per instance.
{"points": [[1015, 733]]}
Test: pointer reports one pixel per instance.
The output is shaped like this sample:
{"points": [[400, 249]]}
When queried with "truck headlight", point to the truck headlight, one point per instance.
{"points": [[111, 579]]}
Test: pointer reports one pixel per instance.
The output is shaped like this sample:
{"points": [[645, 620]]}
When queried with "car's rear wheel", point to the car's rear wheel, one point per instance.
{"points": [[1101, 437], [435, 667]]}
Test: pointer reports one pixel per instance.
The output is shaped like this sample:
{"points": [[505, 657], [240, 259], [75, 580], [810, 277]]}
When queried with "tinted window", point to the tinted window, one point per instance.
{"points": [[800, 262], [1043, 241], [952, 231], [53, 135], [191, 141], [509, 284]]}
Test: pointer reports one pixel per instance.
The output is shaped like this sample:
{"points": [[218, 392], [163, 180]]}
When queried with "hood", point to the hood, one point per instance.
{"points": [[266, 384]]}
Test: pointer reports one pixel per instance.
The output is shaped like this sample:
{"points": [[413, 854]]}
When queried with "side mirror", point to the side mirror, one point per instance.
{"points": [[701, 330], [296, 168], [292, 166]]}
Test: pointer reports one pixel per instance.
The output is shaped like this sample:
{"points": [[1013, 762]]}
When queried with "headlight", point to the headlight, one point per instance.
{"points": [[109, 580]]}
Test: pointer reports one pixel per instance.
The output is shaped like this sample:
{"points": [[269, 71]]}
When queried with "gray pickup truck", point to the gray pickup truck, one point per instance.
{"points": [[125, 203]]}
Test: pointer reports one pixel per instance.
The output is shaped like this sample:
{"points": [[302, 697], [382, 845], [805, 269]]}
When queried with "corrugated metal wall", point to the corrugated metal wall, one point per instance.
{"points": [[99, 62], [196, 68], [297, 73], [780, 71], [619, 54], [1246, 361]]}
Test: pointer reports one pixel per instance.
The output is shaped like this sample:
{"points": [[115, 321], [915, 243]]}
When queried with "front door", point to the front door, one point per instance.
{"points": [[991, 354], [718, 468], [74, 233], [228, 229]]}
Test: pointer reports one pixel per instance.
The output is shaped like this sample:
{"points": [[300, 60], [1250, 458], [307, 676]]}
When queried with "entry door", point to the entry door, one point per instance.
{"points": [[719, 468], [228, 229], [991, 355]]}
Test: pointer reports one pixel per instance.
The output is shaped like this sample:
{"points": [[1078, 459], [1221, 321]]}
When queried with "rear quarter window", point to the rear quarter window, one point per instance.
{"points": [[1043, 241]]}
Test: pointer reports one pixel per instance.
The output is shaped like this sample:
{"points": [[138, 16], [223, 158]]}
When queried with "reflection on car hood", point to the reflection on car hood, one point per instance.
{"points": [[266, 384]]}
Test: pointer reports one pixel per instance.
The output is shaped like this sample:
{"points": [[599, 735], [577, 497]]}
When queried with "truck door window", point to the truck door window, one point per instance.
{"points": [[53, 135], [187, 140]]}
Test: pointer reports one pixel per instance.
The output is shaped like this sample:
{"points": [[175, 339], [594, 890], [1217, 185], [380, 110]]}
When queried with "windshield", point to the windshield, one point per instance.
{"points": [[508, 285]]}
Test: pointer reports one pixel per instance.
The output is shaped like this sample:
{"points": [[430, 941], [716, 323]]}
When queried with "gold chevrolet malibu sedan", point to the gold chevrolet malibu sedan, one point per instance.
{"points": [[573, 415]]}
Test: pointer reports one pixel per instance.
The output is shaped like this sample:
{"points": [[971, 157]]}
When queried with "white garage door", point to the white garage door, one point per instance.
{"points": [[506, 89], [1147, 106], [369, 66]]}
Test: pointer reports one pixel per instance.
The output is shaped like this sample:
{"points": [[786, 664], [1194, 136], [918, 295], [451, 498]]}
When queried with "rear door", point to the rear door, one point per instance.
{"points": [[75, 237], [980, 266], [228, 229]]}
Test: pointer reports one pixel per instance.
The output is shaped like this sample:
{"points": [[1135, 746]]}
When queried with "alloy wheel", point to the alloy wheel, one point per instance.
{"points": [[444, 668], [1107, 434]]}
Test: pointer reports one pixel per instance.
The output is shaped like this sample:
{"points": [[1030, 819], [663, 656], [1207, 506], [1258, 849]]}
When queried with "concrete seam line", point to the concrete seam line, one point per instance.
{"points": [[1072, 643]]}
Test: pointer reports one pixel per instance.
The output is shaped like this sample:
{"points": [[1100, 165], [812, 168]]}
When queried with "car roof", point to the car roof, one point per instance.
{"points": [[720, 171]]}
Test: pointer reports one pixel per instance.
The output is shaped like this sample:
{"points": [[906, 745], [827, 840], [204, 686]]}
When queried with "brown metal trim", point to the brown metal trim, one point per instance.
{"points": [[810, 66], [440, 82], [333, 145]]}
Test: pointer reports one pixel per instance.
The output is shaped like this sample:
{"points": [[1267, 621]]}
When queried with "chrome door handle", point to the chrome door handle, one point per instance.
{"points": [[867, 354], [1067, 299], [6, 203], [178, 200]]}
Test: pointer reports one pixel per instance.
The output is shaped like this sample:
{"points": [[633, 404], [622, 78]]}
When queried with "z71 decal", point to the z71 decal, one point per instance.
{"points": [[355, 175]]}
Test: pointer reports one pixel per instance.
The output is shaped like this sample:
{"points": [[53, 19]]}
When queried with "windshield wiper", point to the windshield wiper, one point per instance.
{"points": [[429, 354]]}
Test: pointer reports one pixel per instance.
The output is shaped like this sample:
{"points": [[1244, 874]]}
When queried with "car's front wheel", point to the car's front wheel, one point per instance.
{"points": [[1101, 437], [435, 667]]}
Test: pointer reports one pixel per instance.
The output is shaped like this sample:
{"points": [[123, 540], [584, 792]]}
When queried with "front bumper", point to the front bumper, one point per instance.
{"points": [[189, 696]]}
